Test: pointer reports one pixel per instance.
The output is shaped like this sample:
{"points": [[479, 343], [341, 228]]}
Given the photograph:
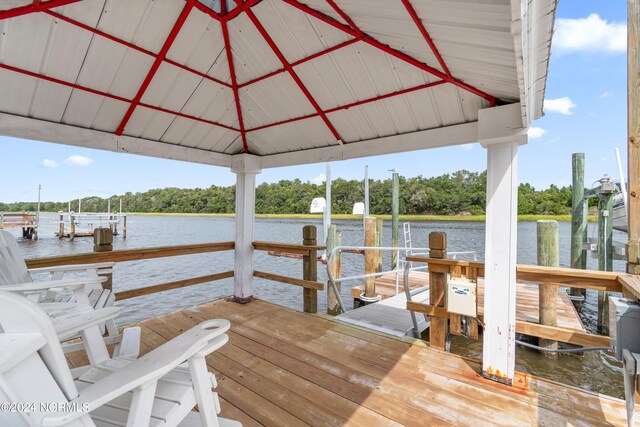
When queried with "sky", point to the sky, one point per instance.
{"points": [[585, 111]]}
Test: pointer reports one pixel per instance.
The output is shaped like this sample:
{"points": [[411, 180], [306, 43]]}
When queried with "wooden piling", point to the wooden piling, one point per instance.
{"points": [[439, 328], [334, 239], [395, 216], [124, 227], [72, 227], [579, 209], [103, 242], [310, 269], [379, 229], [548, 256], [370, 231], [605, 256], [61, 227], [633, 142]]}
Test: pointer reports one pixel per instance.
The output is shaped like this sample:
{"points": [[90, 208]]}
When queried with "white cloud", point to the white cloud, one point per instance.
{"points": [[605, 94], [562, 105], [590, 34], [467, 146], [49, 164], [318, 179], [78, 161], [536, 132]]}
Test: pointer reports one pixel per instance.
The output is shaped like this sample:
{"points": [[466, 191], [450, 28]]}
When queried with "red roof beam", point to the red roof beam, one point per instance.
{"points": [[134, 47], [34, 8], [156, 64], [391, 51], [343, 15], [241, 6], [111, 96], [302, 61], [353, 104], [234, 84], [292, 72], [416, 19]]}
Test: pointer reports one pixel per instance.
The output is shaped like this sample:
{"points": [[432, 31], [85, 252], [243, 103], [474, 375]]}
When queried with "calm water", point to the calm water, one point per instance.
{"points": [[596, 371]]}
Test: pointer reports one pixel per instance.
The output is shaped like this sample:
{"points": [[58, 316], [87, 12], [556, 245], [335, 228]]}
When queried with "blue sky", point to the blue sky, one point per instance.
{"points": [[585, 112]]}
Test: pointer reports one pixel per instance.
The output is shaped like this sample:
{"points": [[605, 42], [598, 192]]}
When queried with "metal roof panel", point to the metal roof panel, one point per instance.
{"points": [[294, 136], [91, 111]]}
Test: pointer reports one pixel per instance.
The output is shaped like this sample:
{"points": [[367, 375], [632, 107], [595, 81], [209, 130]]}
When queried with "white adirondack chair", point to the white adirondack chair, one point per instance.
{"points": [[149, 391], [86, 291]]}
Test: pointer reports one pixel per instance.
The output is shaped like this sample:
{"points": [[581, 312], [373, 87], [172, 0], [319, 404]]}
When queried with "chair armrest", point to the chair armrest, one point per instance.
{"points": [[148, 368], [80, 317], [70, 284], [73, 267]]}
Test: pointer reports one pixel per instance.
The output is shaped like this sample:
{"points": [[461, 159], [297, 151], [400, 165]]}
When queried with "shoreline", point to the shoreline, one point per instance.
{"points": [[435, 218]]}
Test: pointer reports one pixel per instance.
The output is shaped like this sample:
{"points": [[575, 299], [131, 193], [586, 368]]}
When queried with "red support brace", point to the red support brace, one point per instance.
{"points": [[291, 71], [301, 61], [111, 96], [36, 6], [391, 51], [353, 104], [234, 84], [425, 34], [154, 68], [133, 46]]}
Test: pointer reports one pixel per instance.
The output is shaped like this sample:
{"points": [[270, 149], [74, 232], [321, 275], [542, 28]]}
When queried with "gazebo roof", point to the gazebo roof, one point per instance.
{"points": [[291, 81]]}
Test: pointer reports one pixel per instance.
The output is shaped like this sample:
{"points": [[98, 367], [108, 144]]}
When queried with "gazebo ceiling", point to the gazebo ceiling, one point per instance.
{"points": [[200, 80]]}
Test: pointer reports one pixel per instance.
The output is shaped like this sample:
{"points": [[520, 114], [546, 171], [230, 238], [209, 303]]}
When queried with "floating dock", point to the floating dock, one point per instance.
{"points": [[282, 367], [391, 316]]}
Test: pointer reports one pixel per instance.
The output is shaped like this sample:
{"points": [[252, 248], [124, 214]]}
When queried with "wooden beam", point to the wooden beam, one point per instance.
{"points": [[429, 310], [289, 280], [584, 279], [557, 333], [171, 285], [290, 248], [630, 284], [129, 254]]}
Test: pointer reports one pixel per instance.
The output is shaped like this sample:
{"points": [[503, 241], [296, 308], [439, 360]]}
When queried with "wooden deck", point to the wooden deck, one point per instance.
{"points": [[527, 298], [286, 368]]}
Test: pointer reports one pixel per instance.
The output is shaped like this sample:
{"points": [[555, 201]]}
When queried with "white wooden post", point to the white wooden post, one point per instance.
{"points": [[246, 167], [500, 130]]}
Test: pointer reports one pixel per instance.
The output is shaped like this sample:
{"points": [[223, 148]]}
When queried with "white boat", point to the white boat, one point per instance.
{"points": [[619, 213]]}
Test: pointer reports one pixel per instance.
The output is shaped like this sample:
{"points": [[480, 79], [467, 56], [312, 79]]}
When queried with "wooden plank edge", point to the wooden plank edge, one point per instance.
{"points": [[147, 290], [565, 335], [289, 280]]}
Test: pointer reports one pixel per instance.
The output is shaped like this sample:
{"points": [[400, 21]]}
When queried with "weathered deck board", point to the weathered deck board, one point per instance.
{"points": [[527, 298], [283, 367]]}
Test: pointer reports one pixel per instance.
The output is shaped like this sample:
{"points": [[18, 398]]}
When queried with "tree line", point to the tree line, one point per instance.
{"points": [[459, 193]]}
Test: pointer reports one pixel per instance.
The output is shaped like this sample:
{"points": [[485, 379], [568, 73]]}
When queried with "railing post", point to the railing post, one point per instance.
{"points": [[370, 258], [310, 268], [439, 328], [334, 239], [605, 255], [103, 242], [548, 256]]}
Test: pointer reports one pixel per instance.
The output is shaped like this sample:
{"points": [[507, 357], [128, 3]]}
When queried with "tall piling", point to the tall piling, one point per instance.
{"points": [[548, 256], [370, 232], [579, 209], [395, 216], [379, 230], [439, 328], [605, 255]]}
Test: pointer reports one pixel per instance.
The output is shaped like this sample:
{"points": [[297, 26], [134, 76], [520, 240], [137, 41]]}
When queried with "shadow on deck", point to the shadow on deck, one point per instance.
{"points": [[284, 368]]}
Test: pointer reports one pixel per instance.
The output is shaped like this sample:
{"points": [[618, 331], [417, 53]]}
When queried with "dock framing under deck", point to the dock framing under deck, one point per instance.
{"points": [[284, 368]]}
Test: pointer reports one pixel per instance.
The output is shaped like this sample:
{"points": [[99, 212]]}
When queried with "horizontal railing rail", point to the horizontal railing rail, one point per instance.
{"points": [[122, 255]]}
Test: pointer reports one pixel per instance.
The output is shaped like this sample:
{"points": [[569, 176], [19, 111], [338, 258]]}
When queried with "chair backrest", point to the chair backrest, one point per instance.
{"points": [[18, 315], [13, 269]]}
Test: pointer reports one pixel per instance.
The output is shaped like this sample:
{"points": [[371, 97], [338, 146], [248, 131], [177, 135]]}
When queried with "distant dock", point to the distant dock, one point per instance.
{"points": [[25, 220], [72, 225]]}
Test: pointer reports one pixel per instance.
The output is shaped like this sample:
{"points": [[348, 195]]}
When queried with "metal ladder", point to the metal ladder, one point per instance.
{"points": [[407, 241]]}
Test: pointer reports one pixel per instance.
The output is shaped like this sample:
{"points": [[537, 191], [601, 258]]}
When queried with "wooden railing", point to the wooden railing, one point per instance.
{"points": [[542, 276], [124, 255], [309, 251]]}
